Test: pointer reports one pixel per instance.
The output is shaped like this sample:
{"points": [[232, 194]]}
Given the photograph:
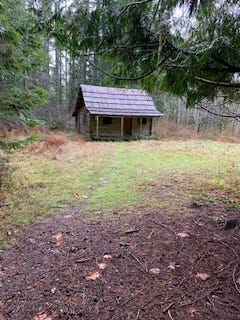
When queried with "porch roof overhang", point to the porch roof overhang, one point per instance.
{"points": [[120, 115]]}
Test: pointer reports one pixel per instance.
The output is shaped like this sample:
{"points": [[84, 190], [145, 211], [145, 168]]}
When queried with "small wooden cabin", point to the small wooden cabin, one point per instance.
{"points": [[103, 112]]}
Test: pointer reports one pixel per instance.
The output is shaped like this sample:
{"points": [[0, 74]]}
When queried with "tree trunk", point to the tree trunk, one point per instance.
{"points": [[58, 83]]}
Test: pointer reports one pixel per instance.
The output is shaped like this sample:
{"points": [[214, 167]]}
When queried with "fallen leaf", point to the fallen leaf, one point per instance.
{"points": [[220, 266], [192, 311], [173, 265], [93, 275], [183, 235], [67, 216], [107, 256], [202, 276], [58, 238], [53, 290], [155, 270], [102, 266], [42, 316], [76, 195]]}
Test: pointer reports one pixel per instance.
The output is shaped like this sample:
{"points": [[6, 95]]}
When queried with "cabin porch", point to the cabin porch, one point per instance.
{"points": [[125, 128]]}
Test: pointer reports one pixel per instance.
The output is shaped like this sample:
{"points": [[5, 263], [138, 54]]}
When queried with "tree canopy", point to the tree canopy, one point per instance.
{"points": [[186, 47], [20, 56], [189, 48]]}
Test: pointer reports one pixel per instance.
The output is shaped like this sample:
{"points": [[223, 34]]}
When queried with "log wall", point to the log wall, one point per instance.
{"points": [[106, 130]]}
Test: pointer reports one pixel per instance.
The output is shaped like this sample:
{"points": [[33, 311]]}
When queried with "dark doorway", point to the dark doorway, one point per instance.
{"points": [[127, 128]]}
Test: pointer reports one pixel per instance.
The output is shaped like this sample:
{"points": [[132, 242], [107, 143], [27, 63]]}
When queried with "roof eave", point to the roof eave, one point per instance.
{"points": [[127, 115]]}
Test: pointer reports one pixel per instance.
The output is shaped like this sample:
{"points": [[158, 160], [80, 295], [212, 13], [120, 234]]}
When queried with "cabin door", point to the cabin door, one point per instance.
{"points": [[127, 128]]}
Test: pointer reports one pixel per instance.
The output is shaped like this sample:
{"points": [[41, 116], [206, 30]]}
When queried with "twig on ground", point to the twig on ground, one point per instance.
{"points": [[18, 245], [234, 278], [224, 268], [44, 310], [168, 307], [138, 313], [199, 224], [233, 251], [164, 226], [211, 301], [143, 267], [149, 301], [126, 301], [176, 289], [131, 231], [150, 235], [170, 316], [204, 255], [82, 260], [201, 297]]}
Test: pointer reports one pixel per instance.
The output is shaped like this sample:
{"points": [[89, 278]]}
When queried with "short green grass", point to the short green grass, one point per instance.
{"points": [[134, 165], [106, 177]]}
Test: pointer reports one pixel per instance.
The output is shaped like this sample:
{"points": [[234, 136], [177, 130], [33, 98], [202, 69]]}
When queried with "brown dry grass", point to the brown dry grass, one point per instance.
{"points": [[169, 129]]}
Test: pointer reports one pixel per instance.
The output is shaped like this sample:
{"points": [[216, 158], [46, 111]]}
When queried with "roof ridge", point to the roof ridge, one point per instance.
{"points": [[113, 88]]}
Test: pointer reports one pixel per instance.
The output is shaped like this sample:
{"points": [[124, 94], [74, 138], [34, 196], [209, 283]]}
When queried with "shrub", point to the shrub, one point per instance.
{"points": [[49, 144], [53, 143], [60, 125], [9, 145], [142, 137]]}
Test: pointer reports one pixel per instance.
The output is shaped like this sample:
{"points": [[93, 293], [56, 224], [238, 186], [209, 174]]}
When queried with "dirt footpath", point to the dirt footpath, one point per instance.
{"points": [[150, 267]]}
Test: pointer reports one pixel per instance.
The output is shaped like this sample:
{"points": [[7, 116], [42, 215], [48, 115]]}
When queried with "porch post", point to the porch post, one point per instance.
{"points": [[140, 126], [122, 126], [97, 126]]}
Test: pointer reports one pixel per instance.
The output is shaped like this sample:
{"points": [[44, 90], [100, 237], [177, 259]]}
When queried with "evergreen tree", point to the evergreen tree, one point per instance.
{"points": [[185, 47], [21, 56]]}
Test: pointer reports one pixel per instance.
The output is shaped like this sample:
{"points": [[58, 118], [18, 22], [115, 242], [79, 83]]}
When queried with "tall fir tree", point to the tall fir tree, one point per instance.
{"points": [[21, 55]]}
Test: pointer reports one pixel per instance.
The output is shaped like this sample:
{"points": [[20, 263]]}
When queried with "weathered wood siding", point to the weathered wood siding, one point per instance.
{"points": [[105, 130], [114, 129], [145, 130], [84, 122]]}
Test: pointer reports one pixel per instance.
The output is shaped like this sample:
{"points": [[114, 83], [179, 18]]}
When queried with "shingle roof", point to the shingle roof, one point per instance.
{"points": [[118, 102]]}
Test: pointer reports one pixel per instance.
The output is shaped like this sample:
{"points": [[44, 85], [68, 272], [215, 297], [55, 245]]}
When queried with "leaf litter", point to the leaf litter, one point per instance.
{"points": [[87, 273]]}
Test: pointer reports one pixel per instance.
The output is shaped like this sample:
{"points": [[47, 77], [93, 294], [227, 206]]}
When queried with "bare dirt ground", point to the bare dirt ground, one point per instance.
{"points": [[148, 267]]}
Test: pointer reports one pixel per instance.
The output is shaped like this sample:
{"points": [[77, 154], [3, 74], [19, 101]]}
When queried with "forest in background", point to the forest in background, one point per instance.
{"points": [[47, 49]]}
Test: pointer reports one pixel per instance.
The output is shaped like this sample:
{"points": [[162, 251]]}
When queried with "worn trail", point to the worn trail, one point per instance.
{"points": [[146, 266]]}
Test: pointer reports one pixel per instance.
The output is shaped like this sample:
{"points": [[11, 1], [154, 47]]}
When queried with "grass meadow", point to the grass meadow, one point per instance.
{"points": [[103, 179]]}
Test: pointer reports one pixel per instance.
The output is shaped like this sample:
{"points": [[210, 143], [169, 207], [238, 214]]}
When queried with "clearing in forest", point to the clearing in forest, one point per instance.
{"points": [[146, 230]]}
